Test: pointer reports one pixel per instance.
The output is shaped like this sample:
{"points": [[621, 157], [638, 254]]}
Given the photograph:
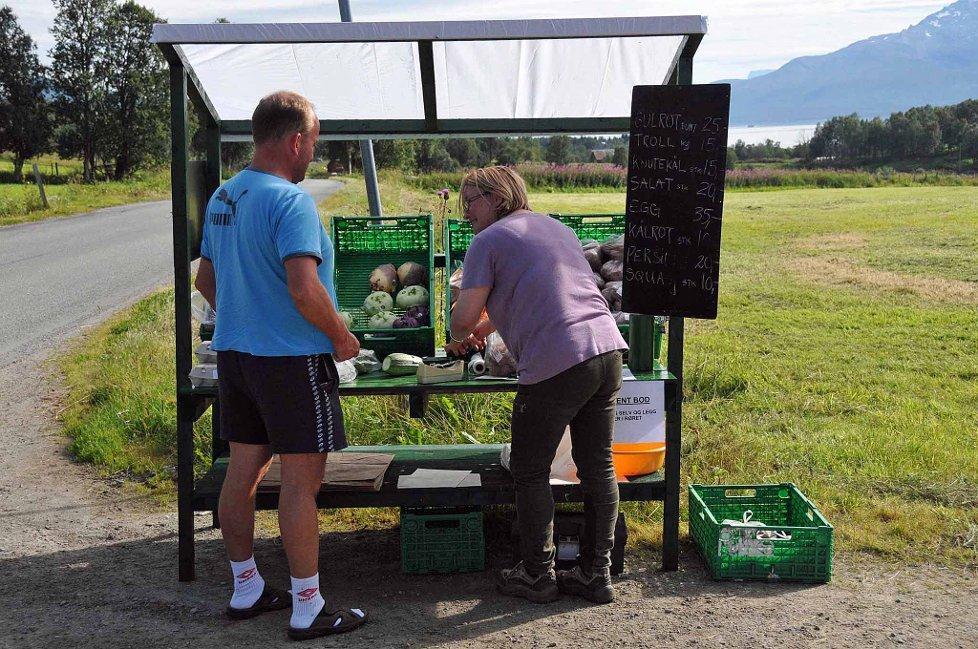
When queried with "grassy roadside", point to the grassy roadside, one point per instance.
{"points": [[20, 203], [843, 360]]}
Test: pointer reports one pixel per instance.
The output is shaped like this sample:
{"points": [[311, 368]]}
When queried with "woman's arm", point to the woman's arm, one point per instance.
{"points": [[467, 311], [477, 340], [483, 329]]}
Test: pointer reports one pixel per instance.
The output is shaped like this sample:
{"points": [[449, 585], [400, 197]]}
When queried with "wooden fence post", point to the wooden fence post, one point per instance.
{"points": [[40, 186]]}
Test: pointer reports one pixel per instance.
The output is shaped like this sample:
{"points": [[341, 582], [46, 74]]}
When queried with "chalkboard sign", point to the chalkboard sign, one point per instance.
{"points": [[677, 161]]}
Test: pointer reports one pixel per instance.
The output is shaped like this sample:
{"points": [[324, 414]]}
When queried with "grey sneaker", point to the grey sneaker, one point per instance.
{"points": [[594, 588], [519, 583]]}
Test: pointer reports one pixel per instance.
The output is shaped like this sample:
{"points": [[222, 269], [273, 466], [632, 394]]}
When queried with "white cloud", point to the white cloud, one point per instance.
{"points": [[744, 35]]}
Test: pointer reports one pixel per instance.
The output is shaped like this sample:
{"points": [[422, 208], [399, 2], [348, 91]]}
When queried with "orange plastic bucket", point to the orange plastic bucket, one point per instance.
{"points": [[638, 459]]}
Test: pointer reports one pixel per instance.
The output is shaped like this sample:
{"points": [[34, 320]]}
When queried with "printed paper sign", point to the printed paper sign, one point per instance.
{"points": [[640, 415]]}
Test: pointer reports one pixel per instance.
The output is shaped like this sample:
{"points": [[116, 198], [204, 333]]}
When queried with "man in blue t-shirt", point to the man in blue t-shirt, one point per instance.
{"points": [[267, 267]]}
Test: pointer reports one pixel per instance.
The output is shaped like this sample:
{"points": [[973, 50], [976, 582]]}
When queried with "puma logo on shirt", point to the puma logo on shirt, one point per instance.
{"points": [[225, 218]]}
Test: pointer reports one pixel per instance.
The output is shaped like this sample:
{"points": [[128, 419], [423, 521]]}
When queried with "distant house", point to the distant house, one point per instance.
{"points": [[601, 155]]}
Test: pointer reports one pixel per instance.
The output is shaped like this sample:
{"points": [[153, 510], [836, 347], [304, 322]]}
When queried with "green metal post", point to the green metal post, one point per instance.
{"points": [[641, 330], [181, 282], [366, 146], [674, 416], [211, 183], [213, 138]]}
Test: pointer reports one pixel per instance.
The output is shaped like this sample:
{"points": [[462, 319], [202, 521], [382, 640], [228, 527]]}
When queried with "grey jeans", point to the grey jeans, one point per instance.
{"points": [[582, 397]]}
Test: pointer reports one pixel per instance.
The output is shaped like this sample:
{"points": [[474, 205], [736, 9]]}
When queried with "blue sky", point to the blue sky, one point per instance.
{"points": [[745, 35]]}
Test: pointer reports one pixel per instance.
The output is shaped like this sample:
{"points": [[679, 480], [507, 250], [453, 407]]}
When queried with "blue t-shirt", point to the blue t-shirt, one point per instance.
{"points": [[254, 223]]}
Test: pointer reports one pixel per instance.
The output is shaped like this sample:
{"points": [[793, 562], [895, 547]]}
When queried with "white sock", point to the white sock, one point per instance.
{"points": [[248, 584], [307, 601]]}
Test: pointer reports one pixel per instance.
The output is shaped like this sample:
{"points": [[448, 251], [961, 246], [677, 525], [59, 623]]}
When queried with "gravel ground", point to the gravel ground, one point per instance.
{"points": [[85, 563]]}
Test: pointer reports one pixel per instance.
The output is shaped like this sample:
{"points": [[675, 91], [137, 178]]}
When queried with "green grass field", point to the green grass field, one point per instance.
{"points": [[45, 164], [20, 203], [843, 359]]}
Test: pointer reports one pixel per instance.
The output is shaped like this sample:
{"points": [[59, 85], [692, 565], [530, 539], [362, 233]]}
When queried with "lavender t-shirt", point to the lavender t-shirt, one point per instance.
{"points": [[544, 300]]}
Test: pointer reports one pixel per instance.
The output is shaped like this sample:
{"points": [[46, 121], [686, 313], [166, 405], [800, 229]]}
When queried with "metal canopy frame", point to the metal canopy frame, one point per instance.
{"points": [[193, 182], [170, 38]]}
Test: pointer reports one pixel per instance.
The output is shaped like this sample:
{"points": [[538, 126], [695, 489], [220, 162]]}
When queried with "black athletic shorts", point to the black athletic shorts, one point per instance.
{"points": [[289, 402]]}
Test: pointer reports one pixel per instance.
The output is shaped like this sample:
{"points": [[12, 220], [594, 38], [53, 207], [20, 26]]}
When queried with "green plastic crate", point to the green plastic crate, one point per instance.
{"points": [[458, 236], [737, 553], [593, 226], [362, 244], [442, 541]]}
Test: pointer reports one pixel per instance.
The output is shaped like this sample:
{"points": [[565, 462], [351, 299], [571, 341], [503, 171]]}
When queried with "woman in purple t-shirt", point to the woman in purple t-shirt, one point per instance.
{"points": [[529, 273]]}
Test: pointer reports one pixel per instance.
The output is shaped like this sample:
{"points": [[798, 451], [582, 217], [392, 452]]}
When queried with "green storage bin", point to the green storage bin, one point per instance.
{"points": [[458, 236], [442, 541], [362, 244], [593, 226], [737, 553]]}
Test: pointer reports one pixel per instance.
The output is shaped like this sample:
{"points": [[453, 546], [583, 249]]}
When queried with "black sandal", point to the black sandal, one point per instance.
{"points": [[272, 599], [341, 620]]}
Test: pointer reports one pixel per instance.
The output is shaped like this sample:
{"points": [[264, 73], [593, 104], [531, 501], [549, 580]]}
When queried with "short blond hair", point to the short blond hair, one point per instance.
{"points": [[282, 113], [499, 181]]}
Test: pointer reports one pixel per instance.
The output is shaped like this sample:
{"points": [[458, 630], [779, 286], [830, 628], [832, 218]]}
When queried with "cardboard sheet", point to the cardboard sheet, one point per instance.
{"points": [[356, 471], [434, 479], [344, 472]]}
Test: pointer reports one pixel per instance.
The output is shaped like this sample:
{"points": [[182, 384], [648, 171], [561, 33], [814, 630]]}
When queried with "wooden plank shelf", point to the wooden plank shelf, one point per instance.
{"points": [[497, 484]]}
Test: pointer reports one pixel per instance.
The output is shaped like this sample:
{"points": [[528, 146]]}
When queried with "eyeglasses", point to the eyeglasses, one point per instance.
{"points": [[465, 203]]}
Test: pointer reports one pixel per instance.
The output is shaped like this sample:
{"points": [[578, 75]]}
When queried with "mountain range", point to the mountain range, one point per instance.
{"points": [[933, 62]]}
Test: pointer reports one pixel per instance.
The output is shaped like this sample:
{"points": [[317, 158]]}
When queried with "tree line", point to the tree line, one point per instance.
{"points": [[434, 155], [103, 98], [919, 133]]}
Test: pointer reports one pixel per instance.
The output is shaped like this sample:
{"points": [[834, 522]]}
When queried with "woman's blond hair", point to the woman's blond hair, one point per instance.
{"points": [[499, 181]]}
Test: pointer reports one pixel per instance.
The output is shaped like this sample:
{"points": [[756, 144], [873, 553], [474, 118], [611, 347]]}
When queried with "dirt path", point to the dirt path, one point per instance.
{"points": [[83, 564]]}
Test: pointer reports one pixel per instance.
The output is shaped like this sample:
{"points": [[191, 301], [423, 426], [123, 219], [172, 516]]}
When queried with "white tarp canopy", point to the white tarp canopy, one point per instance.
{"points": [[417, 77]]}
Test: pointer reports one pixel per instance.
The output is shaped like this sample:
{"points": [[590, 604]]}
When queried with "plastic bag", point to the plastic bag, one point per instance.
{"points": [[201, 309], [614, 248], [562, 468], [499, 362], [612, 293], [593, 256], [613, 270], [347, 371], [455, 285], [366, 362]]}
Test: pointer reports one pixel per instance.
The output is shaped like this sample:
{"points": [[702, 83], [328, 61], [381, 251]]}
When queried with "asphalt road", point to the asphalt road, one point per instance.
{"points": [[59, 275]]}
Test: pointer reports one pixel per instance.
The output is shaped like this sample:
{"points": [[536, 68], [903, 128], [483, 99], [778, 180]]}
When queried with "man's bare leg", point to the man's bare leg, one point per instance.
{"points": [[248, 465], [302, 475]]}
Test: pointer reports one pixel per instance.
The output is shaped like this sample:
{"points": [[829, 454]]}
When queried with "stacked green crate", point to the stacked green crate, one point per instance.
{"points": [[458, 235], [442, 541], [362, 244], [795, 542]]}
